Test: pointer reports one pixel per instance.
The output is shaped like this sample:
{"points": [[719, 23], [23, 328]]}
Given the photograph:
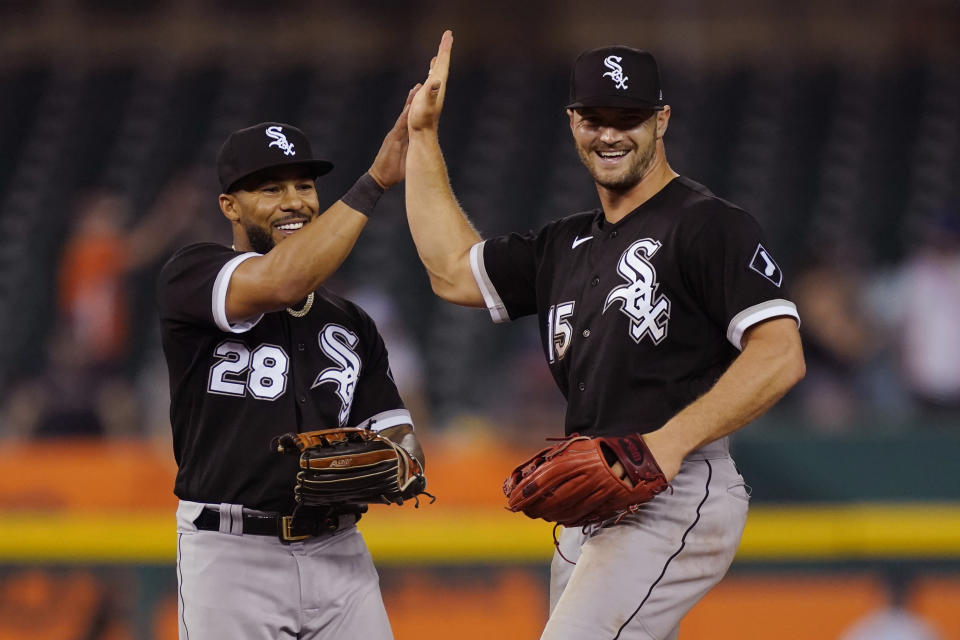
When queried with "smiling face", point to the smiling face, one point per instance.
{"points": [[269, 206], [617, 146]]}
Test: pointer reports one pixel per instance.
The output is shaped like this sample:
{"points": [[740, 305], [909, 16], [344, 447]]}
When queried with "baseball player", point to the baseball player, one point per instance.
{"points": [[663, 317], [257, 347]]}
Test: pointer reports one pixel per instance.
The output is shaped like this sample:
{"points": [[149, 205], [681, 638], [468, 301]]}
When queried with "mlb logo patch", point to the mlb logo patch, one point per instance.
{"points": [[764, 264]]}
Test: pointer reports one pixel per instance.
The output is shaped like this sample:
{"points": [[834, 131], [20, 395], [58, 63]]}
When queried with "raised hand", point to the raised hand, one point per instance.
{"points": [[428, 102], [389, 166]]}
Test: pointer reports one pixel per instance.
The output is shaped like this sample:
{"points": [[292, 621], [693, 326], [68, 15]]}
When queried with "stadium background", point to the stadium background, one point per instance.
{"points": [[836, 123]]}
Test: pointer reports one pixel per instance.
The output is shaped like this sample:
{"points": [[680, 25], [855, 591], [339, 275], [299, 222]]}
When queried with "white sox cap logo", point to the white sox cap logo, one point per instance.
{"points": [[280, 140], [616, 71]]}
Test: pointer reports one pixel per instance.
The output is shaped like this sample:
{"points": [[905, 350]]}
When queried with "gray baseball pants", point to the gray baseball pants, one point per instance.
{"points": [[636, 579]]}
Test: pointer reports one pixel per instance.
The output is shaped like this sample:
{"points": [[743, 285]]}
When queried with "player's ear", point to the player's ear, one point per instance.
{"points": [[572, 114], [663, 120], [229, 207]]}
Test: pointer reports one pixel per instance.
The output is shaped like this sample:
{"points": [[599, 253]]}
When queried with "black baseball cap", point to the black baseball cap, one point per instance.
{"points": [[265, 146], [615, 76]]}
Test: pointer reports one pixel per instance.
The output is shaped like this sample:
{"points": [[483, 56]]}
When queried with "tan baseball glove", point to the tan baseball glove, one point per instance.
{"points": [[352, 466]]}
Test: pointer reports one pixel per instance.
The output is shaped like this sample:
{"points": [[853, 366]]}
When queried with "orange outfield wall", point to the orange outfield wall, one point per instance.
{"points": [[102, 475], [511, 605], [502, 603], [782, 606]]}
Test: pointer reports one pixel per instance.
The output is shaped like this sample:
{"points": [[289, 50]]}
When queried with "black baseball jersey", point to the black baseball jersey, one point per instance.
{"points": [[234, 387], [641, 317]]}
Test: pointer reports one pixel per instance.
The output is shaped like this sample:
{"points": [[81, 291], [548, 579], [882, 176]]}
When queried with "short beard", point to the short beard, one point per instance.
{"points": [[260, 240], [633, 174]]}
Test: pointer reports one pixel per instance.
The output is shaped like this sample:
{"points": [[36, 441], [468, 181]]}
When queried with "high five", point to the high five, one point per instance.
{"points": [[440, 229]]}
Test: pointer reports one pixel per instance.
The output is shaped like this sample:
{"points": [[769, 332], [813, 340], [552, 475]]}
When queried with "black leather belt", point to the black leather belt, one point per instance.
{"points": [[304, 523]]}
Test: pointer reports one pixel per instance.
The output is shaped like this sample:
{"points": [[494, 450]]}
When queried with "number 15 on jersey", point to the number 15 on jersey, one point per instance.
{"points": [[559, 330]]}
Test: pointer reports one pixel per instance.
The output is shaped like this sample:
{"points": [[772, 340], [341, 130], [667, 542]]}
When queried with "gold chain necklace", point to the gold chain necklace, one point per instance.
{"points": [[305, 310]]}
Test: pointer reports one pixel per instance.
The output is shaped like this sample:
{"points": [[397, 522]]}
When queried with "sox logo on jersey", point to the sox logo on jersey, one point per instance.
{"points": [[276, 134], [337, 343], [648, 313]]}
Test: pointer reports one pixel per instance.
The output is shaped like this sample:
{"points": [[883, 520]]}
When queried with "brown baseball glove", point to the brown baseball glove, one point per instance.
{"points": [[573, 483], [352, 466]]}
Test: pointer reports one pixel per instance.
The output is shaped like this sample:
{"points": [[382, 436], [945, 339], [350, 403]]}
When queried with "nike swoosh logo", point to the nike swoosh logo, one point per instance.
{"points": [[578, 241]]}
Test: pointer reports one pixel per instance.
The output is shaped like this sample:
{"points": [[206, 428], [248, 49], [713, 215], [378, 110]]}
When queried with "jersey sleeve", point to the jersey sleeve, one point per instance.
{"points": [[505, 270], [192, 287], [736, 275], [377, 403]]}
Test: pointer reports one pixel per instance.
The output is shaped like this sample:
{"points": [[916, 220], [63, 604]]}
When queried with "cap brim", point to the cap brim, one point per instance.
{"points": [[618, 102], [317, 168]]}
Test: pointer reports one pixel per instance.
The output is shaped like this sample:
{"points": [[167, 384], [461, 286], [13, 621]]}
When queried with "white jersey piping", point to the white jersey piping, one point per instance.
{"points": [[219, 301], [758, 313], [498, 312]]}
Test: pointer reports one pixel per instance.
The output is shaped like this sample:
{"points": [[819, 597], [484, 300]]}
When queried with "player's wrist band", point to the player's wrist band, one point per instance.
{"points": [[363, 195]]}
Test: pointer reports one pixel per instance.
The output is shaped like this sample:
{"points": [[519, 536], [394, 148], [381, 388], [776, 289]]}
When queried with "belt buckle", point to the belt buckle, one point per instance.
{"points": [[286, 530]]}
